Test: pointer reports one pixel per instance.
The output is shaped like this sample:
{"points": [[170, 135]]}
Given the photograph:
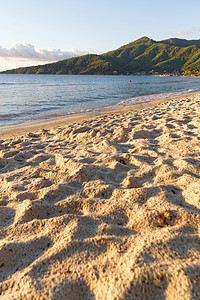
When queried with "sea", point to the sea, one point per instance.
{"points": [[28, 99]]}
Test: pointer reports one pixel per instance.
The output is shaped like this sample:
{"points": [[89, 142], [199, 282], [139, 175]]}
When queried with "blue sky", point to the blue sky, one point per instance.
{"points": [[39, 31]]}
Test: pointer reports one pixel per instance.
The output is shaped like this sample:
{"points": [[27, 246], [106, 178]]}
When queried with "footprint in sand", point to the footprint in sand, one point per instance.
{"points": [[7, 216]]}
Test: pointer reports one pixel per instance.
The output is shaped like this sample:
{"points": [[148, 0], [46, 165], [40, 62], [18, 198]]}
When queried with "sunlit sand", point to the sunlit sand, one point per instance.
{"points": [[103, 206]]}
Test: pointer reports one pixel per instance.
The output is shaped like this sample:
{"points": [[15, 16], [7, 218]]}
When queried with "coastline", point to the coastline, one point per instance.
{"points": [[62, 121], [104, 205]]}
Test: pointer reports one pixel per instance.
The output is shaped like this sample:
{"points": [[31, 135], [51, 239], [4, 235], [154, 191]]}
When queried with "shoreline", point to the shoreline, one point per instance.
{"points": [[15, 131]]}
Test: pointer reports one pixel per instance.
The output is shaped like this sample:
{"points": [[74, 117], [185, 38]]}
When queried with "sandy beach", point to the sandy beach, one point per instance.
{"points": [[103, 206]]}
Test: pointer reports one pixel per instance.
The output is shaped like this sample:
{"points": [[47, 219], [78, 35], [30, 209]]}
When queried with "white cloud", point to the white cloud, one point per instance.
{"points": [[186, 33], [7, 63], [25, 50]]}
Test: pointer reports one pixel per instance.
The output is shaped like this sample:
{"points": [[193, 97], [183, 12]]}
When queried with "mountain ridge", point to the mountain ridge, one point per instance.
{"points": [[143, 56]]}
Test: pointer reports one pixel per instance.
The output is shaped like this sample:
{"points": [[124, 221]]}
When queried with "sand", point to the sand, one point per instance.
{"points": [[106, 207]]}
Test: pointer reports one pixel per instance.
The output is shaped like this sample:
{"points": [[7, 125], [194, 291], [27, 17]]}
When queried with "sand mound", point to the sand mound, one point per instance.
{"points": [[104, 209]]}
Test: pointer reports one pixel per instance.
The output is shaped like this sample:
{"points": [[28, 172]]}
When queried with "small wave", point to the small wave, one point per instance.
{"points": [[147, 98], [7, 116], [7, 83], [55, 115]]}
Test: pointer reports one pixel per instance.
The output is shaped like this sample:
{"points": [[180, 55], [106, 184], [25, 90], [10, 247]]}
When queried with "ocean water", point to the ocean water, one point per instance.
{"points": [[26, 99]]}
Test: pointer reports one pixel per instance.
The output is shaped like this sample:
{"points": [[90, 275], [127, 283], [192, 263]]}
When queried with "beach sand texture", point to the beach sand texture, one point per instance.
{"points": [[107, 208]]}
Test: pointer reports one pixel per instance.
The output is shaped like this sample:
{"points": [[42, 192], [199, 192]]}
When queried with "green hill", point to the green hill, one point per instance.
{"points": [[144, 56]]}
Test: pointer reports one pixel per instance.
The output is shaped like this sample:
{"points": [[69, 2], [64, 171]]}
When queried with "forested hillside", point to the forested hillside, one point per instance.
{"points": [[144, 56]]}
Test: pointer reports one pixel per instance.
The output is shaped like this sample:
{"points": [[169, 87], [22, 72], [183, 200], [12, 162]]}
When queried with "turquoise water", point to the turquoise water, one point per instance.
{"points": [[26, 99]]}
